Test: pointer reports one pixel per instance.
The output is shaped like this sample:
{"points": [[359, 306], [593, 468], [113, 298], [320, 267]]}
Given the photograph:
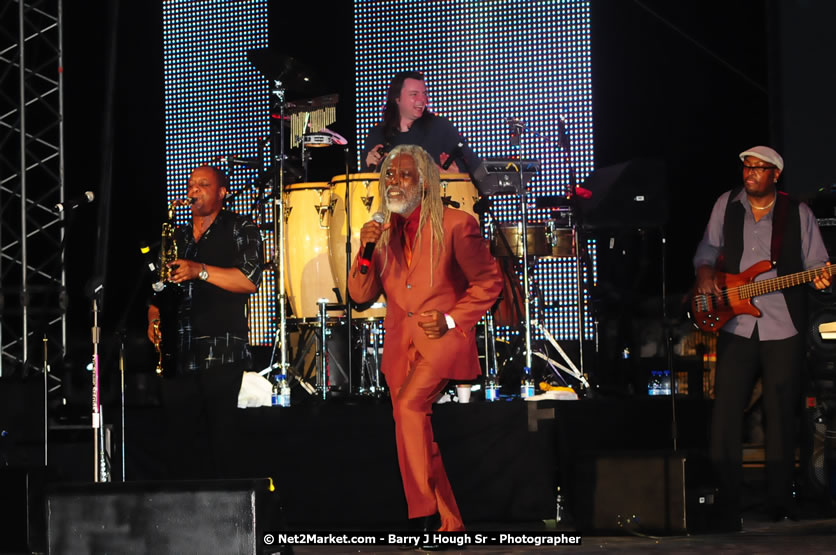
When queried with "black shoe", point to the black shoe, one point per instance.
{"points": [[427, 525]]}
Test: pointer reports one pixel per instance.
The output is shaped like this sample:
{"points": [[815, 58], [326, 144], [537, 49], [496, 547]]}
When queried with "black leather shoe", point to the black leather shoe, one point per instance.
{"points": [[427, 525]]}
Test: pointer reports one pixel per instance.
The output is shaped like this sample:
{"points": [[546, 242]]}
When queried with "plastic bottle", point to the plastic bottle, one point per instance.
{"points": [[274, 397], [654, 384], [527, 385], [491, 388], [284, 391]]}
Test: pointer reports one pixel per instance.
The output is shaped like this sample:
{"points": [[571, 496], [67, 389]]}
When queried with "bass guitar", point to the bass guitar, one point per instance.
{"points": [[711, 311]]}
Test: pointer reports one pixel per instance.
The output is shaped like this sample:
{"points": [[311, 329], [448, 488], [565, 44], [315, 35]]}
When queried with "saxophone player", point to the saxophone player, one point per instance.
{"points": [[218, 267]]}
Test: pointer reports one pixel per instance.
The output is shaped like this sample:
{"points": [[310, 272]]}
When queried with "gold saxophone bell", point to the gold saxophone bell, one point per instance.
{"points": [[159, 368]]}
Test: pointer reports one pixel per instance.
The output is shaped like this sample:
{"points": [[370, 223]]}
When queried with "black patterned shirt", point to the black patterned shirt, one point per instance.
{"points": [[205, 310]]}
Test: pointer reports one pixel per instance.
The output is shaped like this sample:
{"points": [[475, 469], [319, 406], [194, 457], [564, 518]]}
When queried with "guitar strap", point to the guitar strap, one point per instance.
{"points": [[779, 224]]}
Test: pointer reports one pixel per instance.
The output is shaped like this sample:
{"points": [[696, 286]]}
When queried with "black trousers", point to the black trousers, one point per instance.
{"points": [[739, 362], [200, 410]]}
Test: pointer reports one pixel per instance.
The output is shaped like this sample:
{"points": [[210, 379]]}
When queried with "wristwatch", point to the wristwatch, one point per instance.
{"points": [[203, 275]]}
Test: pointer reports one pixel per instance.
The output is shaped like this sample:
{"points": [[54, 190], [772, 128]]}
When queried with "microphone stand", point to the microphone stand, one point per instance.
{"points": [[573, 184], [347, 155], [278, 91], [101, 472]]}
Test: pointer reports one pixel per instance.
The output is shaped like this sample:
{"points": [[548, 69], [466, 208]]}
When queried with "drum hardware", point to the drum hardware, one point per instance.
{"points": [[458, 191], [571, 369], [322, 368], [368, 198], [448, 201], [491, 362], [371, 344], [323, 209]]}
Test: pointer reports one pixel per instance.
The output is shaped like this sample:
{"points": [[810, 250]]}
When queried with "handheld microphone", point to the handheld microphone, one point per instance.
{"points": [[75, 202], [368, 251], [233, 160], [452, 156], [383, 150]]}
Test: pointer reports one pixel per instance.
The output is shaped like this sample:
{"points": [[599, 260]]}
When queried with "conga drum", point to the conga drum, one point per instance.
{"points": [[308, 278], [458, 188], [365, 201]]}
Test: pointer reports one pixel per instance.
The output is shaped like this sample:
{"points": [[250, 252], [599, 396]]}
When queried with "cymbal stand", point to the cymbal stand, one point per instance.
{"points": [[517, 128]]}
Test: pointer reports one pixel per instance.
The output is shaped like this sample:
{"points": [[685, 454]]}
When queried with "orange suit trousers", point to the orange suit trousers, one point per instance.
{"points": [[413, 387]]}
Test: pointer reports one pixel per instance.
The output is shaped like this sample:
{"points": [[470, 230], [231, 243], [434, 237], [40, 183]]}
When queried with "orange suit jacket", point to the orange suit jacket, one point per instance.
{"points": [[466, 282]]}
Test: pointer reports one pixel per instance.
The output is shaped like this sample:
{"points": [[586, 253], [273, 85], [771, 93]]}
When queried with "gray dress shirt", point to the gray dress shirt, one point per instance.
{"points": [[775, 322]]}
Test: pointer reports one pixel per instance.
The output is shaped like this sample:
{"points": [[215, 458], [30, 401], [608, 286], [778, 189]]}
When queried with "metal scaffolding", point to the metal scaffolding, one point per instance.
{"points": [[32, 278]]}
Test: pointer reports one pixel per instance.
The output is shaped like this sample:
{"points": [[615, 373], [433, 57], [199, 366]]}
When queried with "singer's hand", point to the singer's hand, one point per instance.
{"points": [[452, 168], [374, 156], [434, 324], [371, 232]]}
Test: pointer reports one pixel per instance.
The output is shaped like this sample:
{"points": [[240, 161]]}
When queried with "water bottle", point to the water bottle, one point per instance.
{"points": [[665, 382], [527, 385], [654, 384], [491, 388], [274, 397], [284, 391]]}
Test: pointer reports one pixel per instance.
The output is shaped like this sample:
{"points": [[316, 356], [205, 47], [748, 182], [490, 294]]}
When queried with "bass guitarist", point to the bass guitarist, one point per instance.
{"points": [[748, 224]]}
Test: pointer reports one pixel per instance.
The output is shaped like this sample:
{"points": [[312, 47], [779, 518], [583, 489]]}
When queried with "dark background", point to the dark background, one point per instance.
{"points": [[691, 82]]}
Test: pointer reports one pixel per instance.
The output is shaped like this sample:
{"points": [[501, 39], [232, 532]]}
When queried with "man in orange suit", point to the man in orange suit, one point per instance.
{"points": [[439, 278]]}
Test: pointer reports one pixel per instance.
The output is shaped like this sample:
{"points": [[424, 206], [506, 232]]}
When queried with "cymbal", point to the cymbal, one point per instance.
{"points": [[295, 75]]}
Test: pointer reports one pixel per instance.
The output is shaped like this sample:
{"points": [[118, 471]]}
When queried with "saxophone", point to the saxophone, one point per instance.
{"points": [[168, 245], [168, 254]]}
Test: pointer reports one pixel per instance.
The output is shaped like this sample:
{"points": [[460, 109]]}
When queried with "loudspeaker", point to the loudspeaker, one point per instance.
{"points": [[23, 521], [215, 516], [668, 493]]}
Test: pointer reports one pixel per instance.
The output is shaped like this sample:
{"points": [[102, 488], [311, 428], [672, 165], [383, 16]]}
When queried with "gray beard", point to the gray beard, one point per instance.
{"points": [[405, 206]]}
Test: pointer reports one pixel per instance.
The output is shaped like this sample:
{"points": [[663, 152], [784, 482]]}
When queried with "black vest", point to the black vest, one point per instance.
{"points": [[786, 243]]}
